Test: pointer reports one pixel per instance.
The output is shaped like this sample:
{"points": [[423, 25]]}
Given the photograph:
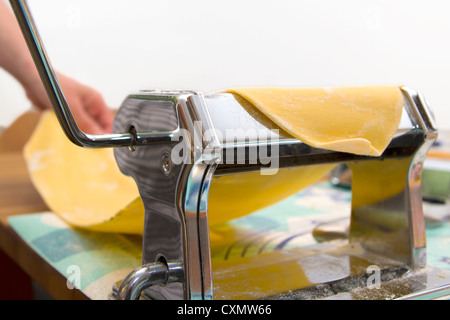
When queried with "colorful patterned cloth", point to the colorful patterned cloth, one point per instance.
{"points": [[94, 261]]}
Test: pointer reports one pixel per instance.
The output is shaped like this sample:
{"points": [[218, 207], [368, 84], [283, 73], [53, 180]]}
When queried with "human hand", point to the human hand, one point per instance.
{"points": [[87, 105]]}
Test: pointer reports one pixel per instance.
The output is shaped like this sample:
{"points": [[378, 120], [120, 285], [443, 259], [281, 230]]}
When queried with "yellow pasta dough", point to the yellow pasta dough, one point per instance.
{"points": [[86, 188], [359, 120], [82, 186], [236, 195]]}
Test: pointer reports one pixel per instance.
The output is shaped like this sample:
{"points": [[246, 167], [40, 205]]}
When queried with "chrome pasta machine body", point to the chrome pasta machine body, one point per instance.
{"points": [[175, 193]]}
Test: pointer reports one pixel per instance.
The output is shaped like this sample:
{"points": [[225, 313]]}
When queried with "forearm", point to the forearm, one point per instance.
{"points": [[14, 55]]}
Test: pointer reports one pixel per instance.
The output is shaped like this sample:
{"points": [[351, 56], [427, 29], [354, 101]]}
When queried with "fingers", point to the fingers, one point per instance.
{"points": [[89, 109], [85, 121], [96, 107]]}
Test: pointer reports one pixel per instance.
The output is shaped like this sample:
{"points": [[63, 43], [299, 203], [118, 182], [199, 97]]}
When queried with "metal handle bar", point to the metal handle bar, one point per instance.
{"points": [[59, 102]]}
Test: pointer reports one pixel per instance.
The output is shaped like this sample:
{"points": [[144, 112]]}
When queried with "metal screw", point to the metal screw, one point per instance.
{"points": [[166, 164]]}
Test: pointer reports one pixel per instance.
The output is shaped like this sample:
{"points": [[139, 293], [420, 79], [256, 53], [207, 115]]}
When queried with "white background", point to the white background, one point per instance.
{"points": [[123, 46]]}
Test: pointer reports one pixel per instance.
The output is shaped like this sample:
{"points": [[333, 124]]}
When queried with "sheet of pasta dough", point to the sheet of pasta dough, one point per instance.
{"points": [[83, 186], [360, 120], [86, 188]]}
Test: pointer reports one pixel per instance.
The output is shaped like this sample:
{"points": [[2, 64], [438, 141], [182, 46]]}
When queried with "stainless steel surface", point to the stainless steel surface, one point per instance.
{"points": [[59, 102], [158, 273]]}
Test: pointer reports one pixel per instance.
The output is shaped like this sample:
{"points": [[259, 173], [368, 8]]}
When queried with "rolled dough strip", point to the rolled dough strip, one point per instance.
{"points": [[359, 120]]}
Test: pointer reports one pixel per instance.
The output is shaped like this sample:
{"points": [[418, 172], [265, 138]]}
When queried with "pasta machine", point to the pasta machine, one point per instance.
{"points": [[170, 143], [176, 230]]}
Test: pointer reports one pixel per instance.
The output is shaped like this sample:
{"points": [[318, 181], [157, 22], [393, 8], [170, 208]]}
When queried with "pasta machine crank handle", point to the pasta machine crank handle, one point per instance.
{"points": [[59, 102]]}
